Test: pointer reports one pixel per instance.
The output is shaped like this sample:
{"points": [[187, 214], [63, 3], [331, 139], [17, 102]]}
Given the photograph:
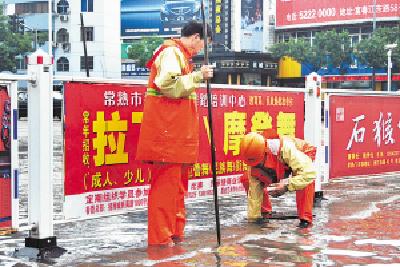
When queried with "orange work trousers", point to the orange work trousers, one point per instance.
{"points": [[166, 208], [305, 202], [304, 199]]}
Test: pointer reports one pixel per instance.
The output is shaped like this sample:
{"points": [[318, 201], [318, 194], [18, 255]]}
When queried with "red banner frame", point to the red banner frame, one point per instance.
{"points": [[92, 110], [5, 158], [364, 135], [291, 13]]}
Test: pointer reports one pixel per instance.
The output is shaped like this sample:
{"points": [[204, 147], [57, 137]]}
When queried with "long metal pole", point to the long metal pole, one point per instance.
{"points": [[50, 21], [36, 40], [83, 35], [389, 73], [213, 158], [374, 18]]}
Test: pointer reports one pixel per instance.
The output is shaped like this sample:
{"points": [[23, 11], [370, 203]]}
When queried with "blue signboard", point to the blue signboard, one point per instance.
{"points": [[131, 70], [157, 17]]}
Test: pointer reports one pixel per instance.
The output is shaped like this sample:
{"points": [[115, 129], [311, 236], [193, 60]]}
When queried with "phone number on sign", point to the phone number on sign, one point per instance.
{"points": [[314, 13]]}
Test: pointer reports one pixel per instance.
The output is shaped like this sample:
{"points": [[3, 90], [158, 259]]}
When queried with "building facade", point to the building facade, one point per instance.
{"points": [[101, 30], [303, 19]]}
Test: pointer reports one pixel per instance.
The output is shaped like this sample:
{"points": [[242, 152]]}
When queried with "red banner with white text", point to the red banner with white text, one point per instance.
{"points": [[305, 12], [364, 134], [102, 124], [6, 125]]}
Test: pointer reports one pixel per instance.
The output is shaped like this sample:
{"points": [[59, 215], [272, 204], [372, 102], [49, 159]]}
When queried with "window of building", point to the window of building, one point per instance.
{"points": [[365, 36], [88, 33], [284, 37], [313, 33], [62, 36], [86, 5], [367, 30], [90, 63], [62, 64], [354, 30], [62, 7], [28, 8], [304, 35], [357, 34], [354, 40], [20, 62], [42, 7]]}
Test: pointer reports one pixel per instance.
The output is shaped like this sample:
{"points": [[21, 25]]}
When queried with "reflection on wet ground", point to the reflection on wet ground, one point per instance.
{"points": [[357, 224]]}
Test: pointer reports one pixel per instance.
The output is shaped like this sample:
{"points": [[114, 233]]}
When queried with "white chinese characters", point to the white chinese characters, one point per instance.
{"points": [[382, 130]]}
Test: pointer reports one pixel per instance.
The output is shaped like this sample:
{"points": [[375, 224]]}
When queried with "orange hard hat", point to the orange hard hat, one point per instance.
{"points": [[270, 134], [252, 148]]}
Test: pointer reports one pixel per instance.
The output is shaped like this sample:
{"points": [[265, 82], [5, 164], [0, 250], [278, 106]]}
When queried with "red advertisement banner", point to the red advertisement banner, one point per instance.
{"points": [[364, 134], [303, 12], [5, 158], [102, 124]]}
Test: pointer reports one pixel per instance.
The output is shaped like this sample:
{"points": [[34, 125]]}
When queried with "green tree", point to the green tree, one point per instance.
{"points": [[11, 44], [329, 49], [372, 52], [299, 50], [42, 38], [142, 50]]}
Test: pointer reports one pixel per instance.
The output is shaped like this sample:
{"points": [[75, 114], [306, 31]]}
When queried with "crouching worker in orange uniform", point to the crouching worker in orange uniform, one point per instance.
{"points": [[169, 134], [267, 158]]}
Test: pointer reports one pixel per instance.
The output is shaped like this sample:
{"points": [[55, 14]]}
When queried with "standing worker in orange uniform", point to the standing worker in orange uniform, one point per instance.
{"points": [[269, 154], [169, 134]]}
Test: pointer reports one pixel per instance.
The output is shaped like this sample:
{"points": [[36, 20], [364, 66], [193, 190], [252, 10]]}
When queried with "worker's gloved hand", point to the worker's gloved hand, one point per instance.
{"points": [[278, 189], [207, 71]]}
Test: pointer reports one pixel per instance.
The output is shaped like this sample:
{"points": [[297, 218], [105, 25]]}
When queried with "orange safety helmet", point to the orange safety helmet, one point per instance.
{"points": [[270, 134], [252, 148]]}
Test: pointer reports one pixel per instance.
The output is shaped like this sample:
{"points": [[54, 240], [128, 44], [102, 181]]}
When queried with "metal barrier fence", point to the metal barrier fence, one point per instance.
{"points": [[40, 146], [363, 152]]}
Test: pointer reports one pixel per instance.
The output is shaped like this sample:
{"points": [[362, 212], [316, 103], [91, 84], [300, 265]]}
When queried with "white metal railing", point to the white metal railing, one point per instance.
{"points": [[97, 80], [358, 92], [38, 75], [143, 82], [312, 93]]}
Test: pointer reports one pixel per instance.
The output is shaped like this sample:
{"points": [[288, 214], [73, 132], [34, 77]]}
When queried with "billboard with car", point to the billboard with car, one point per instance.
{"points": [[292, 13], [157, 17]]}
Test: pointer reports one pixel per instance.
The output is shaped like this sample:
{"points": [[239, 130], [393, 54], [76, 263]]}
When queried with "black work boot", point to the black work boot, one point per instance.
{"points": [[257, 220], [266, 214], [304, 224]]}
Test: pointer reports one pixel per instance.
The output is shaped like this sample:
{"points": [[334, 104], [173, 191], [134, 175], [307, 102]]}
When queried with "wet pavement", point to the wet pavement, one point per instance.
{"points": [[357, 224]]}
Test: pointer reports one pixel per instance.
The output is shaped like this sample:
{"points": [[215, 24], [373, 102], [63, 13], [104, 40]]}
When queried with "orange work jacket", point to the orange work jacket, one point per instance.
{"points": [[170, 126]]}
